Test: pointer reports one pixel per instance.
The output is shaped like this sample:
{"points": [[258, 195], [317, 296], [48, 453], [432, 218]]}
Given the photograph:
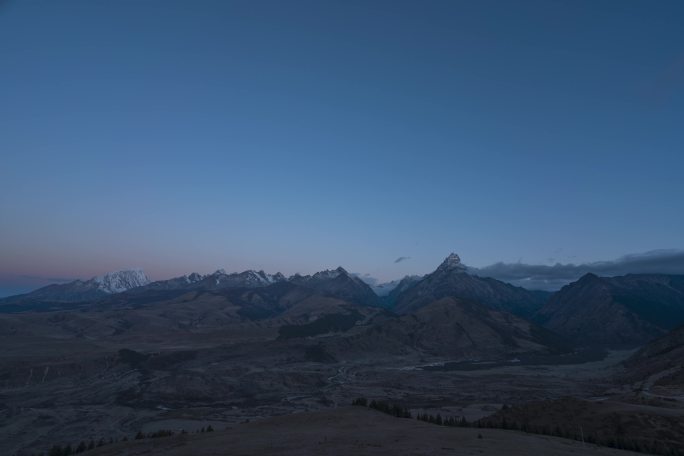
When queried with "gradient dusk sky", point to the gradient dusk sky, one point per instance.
{"points": [[294, 136]]}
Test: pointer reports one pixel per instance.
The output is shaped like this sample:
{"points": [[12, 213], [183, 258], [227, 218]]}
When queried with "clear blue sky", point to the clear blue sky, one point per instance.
{"points": [[190, 135]]}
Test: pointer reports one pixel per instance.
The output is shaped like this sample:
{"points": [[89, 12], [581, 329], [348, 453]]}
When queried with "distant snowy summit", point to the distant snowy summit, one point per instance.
{"points": [[249, 278], [84, 290], [218, 280], [120, 281]]}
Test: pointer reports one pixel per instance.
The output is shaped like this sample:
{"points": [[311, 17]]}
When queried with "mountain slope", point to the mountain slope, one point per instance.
{"points": [[340, 284], [660, 363], [625, 310], [79, 290], [451, 279], [353, 431], [390, 299], [460, 329]]}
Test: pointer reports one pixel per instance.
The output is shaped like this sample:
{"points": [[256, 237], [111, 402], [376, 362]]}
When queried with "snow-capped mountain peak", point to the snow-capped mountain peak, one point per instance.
{"points": [[249, 278], [120, 281], [193, 277], [259, 277]]}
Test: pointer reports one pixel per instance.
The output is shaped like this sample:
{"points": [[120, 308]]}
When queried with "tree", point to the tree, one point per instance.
{"points": [[361, 401]]}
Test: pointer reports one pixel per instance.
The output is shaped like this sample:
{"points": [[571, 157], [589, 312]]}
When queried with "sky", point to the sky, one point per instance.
{"points": [[296, 136]]}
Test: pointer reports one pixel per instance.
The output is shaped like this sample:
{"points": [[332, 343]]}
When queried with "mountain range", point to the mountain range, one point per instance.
{"points": [[594, 311], [626, 310], [121, 349], [84, 290]]}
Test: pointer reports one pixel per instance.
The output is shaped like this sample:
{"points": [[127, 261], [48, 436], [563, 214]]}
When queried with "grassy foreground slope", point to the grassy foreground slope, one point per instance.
{"points": [[353, 430]]}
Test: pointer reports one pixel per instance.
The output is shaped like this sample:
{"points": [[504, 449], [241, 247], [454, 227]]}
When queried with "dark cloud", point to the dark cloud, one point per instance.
{"points": [[402, 258], [544, 277]]}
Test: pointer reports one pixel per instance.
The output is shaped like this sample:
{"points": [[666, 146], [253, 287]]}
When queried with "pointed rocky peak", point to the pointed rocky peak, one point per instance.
{"points": [[266, 277], [220, 272], [258, 276], [193, 277], [452, 263], [330, 273]]}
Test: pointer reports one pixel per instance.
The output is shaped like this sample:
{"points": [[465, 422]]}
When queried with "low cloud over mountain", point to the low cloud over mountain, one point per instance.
{"points": [[544, 277]]}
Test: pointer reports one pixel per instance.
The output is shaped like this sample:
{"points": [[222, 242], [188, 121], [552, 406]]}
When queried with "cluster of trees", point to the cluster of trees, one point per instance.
{"points": [[446, 421], [403, 412], [614, 441], [69, 449], [155, 435], [168, 433], [619, 442], [384, 407]]}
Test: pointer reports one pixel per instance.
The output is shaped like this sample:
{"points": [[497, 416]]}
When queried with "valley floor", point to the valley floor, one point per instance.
{"points": [[55, 402]]}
